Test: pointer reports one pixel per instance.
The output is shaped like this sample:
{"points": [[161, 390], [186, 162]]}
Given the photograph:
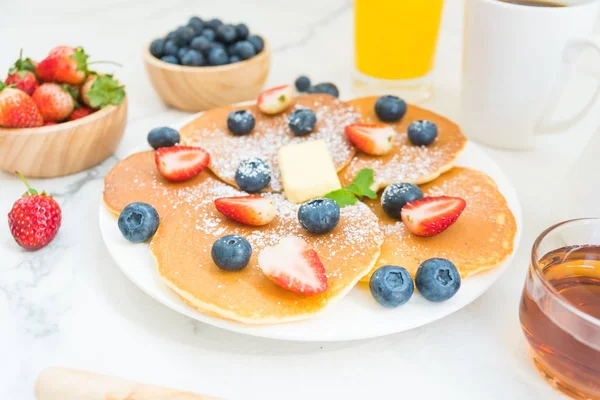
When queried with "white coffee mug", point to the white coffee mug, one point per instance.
{"points": [[515, 65]]}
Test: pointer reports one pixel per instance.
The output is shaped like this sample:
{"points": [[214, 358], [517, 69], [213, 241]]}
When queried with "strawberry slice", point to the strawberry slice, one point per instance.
{"points": [[248, 210], [179, 163], [431, 215], [374, 139], [294, 265], [276, 100]]}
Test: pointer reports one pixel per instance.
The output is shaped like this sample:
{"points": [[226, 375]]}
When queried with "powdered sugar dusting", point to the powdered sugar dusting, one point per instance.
{"points": [[270, 134]]}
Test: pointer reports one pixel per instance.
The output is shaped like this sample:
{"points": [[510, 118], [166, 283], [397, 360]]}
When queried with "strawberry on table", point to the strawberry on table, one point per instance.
{"points": [[102, 90], [54, 101], [276, 100], [79, 113], [34, 219], [64, 64], [374, 139], [17, 109], [179, 163], [249, 210], [430, 216], [22, 75], [294, 265]]}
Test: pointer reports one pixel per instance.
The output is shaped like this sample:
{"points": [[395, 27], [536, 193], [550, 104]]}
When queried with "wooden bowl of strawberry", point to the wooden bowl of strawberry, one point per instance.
{"points": [[57, 117]]}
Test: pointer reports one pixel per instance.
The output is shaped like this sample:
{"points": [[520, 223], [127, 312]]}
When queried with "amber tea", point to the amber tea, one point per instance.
{"points": [[558, 315]]}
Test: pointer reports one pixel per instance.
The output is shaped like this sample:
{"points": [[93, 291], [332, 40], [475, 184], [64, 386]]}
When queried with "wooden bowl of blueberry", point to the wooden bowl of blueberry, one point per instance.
{"points": [[207, 64]]}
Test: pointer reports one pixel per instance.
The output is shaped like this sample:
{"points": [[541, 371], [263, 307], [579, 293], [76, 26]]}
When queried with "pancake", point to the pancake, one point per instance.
{"points": [[270, 133], [407, 162], [481, 238], [190, 224]]}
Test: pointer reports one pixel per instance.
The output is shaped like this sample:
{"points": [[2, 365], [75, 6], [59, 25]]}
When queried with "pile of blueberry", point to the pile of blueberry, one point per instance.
{"points": [[207, 42]]}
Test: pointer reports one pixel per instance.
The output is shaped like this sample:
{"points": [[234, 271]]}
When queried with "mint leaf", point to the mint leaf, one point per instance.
{"points": [[105, 91], [361, 185], [343, 197]]}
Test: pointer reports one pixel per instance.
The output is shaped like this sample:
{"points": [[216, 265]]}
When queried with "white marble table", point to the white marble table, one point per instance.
{"points": [[69, 304]]}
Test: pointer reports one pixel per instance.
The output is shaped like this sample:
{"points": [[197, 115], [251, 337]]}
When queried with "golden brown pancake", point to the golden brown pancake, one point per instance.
{"points": [[407, 162], [481, 238], [190, 224], [270, 133]]}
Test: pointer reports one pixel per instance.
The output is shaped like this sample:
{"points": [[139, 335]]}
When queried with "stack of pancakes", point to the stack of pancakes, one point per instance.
{"points": [[365, 238]]}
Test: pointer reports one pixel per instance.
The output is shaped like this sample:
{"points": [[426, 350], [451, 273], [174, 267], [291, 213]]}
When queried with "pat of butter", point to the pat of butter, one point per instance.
{"points": [[307, 171]]}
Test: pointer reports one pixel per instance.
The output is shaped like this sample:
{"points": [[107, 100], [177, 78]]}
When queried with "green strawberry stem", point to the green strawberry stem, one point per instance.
{"points": [[30, 190]]}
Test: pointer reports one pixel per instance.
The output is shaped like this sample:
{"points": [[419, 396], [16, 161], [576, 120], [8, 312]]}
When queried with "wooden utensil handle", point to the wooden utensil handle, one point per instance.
{"points": [[71, 384]]}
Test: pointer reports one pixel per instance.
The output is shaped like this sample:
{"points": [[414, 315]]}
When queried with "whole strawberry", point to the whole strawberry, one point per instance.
{"points": [[22, 75], [34, 219], [17, 109], [64, 64], [79, 113], [54, 101], [99, 91]]}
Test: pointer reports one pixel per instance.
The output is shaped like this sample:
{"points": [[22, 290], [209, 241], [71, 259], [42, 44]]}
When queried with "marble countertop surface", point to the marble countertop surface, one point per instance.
{"points": [[70, 305]]}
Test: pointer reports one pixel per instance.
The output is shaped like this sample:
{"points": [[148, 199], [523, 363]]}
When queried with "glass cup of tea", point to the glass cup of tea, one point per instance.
{"points": [[395, 43], [560, 307]]}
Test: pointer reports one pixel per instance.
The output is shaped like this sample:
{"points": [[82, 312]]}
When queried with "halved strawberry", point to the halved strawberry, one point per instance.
{"points": [[375, 139], [276, 100], [294, 265], [431, 215], [248, 210], [179, 163]]}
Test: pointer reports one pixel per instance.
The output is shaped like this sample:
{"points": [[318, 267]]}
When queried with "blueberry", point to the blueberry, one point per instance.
{"points": [[138, 222], [319, 215], [170, 48], [231, 49], [253, 175], [200, 43], [171, 36], [242, 31], [245, 50], [231, 252], [302, 83], [325, 87], [163, 137], [390, 108], [395, 196], [422, 133], [215, 45], [240, 122], [181, 52], [217, 56], [185, 34], [226, 33], [257, 42], [391, 286], [193, 58], [170, 59], [233, 59], [302, 121], [214, 23], [437, 279], [196, 23], [157, 48], [209, 34]]}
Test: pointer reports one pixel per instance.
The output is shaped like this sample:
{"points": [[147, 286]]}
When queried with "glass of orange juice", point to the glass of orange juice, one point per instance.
{"points": [[395, 42]]}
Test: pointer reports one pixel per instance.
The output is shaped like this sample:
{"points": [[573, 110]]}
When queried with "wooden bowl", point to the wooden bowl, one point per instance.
{"points": [[200, 88], [66, 148]]}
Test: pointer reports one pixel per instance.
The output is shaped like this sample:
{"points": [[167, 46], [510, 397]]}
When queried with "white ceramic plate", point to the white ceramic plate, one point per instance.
{"points": [[356, 316]]}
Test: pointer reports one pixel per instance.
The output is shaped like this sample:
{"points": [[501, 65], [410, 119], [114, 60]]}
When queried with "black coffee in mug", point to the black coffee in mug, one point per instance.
{"points": [[535, 3]]}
